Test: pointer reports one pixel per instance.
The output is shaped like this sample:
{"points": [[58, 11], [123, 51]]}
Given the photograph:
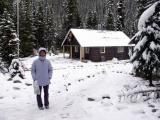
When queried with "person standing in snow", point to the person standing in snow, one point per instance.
{"points": [[41, 72]]}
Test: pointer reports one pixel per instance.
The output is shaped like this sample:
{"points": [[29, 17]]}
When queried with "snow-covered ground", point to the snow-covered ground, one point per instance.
{"points": [[79, 91]]}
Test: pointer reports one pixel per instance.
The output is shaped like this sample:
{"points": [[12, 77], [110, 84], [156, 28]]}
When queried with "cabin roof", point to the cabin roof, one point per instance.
{"points": [[99, 38]]}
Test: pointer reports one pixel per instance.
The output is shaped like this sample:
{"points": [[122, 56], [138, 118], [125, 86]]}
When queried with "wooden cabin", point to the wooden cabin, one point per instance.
{"points": [[96, 45]]}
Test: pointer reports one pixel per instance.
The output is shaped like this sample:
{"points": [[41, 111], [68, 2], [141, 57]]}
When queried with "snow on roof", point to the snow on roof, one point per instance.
{"points": [[99, 38]]}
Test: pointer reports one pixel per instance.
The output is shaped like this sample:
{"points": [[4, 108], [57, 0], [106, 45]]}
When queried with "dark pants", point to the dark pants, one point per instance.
{"points": [[46, 95]]}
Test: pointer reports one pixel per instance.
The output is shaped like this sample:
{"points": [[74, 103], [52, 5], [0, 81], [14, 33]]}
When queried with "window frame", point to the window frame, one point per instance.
{"points": [[120, 50], [76, 49], [102, 50], [87, 49]]}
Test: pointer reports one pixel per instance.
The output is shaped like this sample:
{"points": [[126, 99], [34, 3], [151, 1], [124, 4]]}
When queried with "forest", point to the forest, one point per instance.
{"points": [[44, 23]]}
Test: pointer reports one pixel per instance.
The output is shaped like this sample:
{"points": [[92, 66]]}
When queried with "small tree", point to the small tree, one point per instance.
{"points": [[92, 22], [110, 18], [146, 54], [27, 35], [120, 15], [72, 17], [8, 38]]}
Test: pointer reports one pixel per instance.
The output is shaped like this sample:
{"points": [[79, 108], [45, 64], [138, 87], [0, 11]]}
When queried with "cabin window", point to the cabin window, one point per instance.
{"points": [[76, 49], [102, 50], [120, 49], [87, 50]]}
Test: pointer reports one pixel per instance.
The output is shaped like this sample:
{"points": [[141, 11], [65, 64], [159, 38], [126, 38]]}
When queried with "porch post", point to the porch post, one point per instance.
{"points": [[82, 54], [63, 51], [71, 52]]}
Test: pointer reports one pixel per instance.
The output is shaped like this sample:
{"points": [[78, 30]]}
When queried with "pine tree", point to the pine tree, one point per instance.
{"points": [[40, 26], [142, 5], [92, 22], [49, 31], [27, 35], [8, 38], [5, 4], [72, 18], [146, 54], [120, 16], [110, 18]]}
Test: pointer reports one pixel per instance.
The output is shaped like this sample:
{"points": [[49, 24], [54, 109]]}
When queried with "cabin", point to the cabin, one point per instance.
{"points": [[96, 45]]}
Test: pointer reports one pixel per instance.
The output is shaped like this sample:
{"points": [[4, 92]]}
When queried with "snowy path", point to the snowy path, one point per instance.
{"points": [[79, 91]]}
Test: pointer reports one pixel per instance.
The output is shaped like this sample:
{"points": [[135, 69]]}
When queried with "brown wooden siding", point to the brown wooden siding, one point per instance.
{"points": [[76, 54], [110, 53], [72, 41], [95, 55]]}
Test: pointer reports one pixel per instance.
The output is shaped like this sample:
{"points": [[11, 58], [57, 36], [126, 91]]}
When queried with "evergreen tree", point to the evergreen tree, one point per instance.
{"points": [[40, 26], [27, 35], [146, 54], [110, 18], [92, 22], [5, 4], [120, 16], [142, 5], [8, 38], [72, 18], [49, 30]]}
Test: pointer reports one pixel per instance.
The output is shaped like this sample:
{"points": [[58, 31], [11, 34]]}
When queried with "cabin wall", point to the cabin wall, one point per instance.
{"points": [[76, 54], [95, 55], [110, 53]]}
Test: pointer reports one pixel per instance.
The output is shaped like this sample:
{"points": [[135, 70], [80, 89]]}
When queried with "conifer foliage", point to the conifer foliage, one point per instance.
{"points": [[8, 38], [120, 15], [72, 17], [92, 22], [146, 54], [110, 18]]}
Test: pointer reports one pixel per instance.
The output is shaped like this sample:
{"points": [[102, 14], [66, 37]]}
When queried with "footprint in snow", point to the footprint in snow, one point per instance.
{"points": [[68, 105], [16, 88], [28, 84], [63, 116], [1, 97], [10, 79], [155, 110], [14, 97], [152, 106], [17, 81], [121, 107], [91, 99], [139, 111]]}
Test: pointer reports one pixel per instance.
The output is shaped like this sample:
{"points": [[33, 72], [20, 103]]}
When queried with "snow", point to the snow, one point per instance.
{"points": [[153, 46], [73, 83], [140, 43], [146, 56], [99, 38], [145, 16]]}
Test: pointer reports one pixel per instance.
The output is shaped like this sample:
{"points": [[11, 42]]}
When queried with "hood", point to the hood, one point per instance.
{"points": [[42, 49]]}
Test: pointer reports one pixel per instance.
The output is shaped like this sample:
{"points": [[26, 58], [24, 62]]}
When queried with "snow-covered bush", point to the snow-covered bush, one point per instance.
{"points": [[15, 68], [146, 53]]}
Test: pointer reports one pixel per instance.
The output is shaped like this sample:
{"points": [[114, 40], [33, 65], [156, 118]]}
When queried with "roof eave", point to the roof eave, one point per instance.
{"points": [[65, 37]]}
